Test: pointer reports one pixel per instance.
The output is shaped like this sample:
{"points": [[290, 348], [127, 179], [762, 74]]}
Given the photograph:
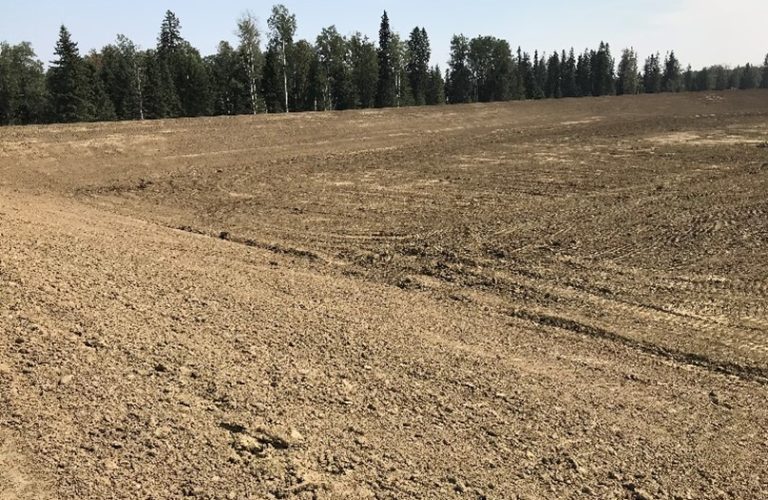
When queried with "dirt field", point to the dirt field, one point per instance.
{"points": [[528, 300]]}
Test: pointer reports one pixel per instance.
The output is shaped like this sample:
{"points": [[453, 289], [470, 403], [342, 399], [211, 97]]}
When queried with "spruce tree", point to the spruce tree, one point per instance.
{"points": [[68, 84], [539, 76], [689, 79], [570, 88], [230, 90], [102, 107], [602, 64], [385, 95], [764, 83], [584, 74], [459, 81], [703, 79], [417, 66], [435, 87], [554, 77], [652, 82], [671, 77]]}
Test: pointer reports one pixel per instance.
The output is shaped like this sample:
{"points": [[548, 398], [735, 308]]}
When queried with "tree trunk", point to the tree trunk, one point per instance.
{"points": [[285, 77]]}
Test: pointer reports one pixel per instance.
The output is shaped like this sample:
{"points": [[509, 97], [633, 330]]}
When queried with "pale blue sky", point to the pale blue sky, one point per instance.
{"points": [[702, 32]]}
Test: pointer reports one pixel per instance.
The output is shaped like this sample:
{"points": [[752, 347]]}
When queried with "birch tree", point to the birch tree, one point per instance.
{"points": [[250, 51], [282, 27]]}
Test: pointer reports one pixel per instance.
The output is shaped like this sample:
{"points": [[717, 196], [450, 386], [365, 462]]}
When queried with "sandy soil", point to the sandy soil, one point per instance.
{"points": [[527, 300]]}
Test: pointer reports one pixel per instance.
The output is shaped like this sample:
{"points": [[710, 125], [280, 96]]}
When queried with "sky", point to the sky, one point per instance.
{"points": [[701, 32]]}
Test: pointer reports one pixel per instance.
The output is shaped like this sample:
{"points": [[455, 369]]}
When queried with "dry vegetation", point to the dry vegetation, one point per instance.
{"points": [[528, 300]]}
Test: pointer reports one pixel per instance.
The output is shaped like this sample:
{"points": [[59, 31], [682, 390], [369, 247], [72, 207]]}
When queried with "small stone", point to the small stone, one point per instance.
{"points": [[66, 379], [162, 432], [641, 494], [246, 443]]}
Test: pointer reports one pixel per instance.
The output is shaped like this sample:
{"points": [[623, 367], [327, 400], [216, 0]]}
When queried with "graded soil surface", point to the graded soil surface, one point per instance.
{"points": [[560, 299]]}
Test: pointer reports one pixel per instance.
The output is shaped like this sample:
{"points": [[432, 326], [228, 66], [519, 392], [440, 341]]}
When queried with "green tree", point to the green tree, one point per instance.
{"points": [[459, 82], [417, 66], [249, 49], [703, 79], [365, 70], [652, 81], [570, 88], [554, 85], [68, 84], [230, 92], [102, 106], [282, 27], [539, 76], [385, 95], [122, 74], [334, 70], [22, 85], [435, 87], [671, 78], [272, 80], [304, 78], [584, 74], [628, 82], [163, 70], [399, 50], [764, 82], [750, 78], [602, 65]]}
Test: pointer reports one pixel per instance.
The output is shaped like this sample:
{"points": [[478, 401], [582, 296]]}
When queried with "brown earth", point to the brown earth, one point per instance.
{"points": [[528, 300]]}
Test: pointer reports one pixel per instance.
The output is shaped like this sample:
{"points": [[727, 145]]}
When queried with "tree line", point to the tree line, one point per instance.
{"points": [[273, 73]]}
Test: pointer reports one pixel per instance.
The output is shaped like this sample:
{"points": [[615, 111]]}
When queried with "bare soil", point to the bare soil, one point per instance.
{"points": [[527, 300]]}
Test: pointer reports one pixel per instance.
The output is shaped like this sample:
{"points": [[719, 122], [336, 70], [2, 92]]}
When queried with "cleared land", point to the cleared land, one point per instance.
{"points": [[527, 300]]}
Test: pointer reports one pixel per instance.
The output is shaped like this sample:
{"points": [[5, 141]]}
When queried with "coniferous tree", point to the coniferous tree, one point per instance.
{"points": [[539, 76], [272, 80], [102, 107], [163, 95], [703, 80], [554, 88], [22, 85], [385, 95], [417, 65], [689, 79], [249, 48], [459, 81], [764, 83], [282, 26], [652, 81], [122, 74], [671, 77], [570, 88], [628, 82], [584, 74], [304, 77], [230, 89], [435, 87], [602, 65], [750, 78], [68, 84], [365, 70]]}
